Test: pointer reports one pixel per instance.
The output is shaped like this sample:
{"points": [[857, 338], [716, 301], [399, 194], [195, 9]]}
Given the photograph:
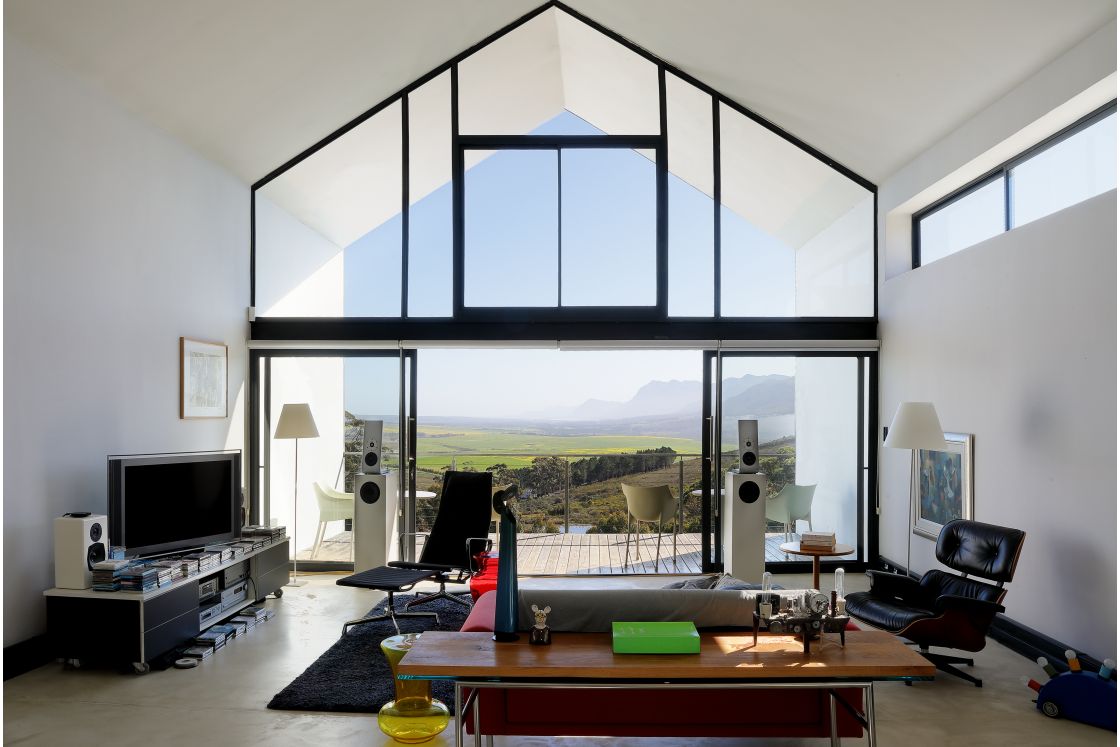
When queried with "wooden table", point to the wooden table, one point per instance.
{"points": [[586, 661], [794, 548]]}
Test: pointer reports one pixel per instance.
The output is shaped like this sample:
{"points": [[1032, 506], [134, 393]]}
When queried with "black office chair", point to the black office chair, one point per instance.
{"points": [[943, 609], [459, 532]]}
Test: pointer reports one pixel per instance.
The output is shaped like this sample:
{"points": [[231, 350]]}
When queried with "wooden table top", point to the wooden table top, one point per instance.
{"points": [[869, 654], [795, 548]]}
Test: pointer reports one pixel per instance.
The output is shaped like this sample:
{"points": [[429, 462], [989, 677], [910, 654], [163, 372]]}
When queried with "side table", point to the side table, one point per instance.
{"points": [[795, 548]]}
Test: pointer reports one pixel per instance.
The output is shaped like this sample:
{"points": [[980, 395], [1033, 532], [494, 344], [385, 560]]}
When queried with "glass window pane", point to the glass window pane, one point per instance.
{"points": [[510, 215], [429, 187], [691, 212], [521, 82], [969, 220], [808, 434], [341, 392], [609, 228], [1079, 167], [324, 223], [781, 206]]}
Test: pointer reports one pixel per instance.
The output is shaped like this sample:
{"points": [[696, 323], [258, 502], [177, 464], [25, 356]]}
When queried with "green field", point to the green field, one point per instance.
{"points": [[437, 445]]}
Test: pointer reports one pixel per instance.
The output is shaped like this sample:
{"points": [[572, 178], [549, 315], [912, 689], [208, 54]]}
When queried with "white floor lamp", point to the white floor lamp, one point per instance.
{"points": [[296, 422], [915, 426]]}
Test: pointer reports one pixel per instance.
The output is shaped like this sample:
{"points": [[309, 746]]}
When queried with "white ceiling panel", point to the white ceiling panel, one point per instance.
{"points": [[250, 83]]}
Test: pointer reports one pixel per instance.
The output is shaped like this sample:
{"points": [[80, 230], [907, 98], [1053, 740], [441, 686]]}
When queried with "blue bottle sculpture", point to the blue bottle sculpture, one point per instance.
{"points": [[505, 614]]}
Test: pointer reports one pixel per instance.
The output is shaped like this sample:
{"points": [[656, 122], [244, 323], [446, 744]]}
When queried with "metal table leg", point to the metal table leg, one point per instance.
{"points": [[477, 721], [834, 739], [870, 710], [459, 720]]}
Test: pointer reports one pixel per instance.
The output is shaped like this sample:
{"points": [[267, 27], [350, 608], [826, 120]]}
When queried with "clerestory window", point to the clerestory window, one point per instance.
{"points": [[558, 172]]}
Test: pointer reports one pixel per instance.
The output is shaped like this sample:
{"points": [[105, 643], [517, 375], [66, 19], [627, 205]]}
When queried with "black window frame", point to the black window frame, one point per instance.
{"points": [[560, 143], [1001, 172]]}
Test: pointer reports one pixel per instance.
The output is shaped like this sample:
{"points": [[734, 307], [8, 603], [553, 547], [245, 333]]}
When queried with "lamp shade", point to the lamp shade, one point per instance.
{"points": [[915, 426], [296, 422]]}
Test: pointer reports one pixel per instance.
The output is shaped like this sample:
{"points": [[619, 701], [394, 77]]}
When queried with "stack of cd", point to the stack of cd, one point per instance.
{"points": [[189, 564], [215, 639], [139, 577], [249, 621], [199, 652], [204, 560], [225, 552], [175, 569], [107, 574], [267, 535]]}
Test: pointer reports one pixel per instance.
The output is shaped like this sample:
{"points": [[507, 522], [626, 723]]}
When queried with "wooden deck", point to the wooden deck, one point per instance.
{"points": [[548, 554]]}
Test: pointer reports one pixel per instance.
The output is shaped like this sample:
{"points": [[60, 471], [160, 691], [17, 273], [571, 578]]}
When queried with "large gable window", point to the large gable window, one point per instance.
{"points": [[554, 173]]}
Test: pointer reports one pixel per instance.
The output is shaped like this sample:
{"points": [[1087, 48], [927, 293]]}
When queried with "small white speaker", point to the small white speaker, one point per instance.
{"points": [[371, 446], [80, 540], [748, 446], [375, 519], [744, 525]]}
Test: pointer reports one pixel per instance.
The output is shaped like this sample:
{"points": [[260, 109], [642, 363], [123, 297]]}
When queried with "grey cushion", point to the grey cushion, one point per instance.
{"points": [[593, 610], [730, 583], [703, 582]]}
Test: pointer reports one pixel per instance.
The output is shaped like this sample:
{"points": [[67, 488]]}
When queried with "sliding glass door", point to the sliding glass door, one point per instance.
{"points": [[812, 411], [343, 389]]}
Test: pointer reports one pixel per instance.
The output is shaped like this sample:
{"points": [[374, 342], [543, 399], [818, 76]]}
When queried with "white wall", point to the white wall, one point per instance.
{"points": [[117, 240], [1014, 340], [834, 270]]}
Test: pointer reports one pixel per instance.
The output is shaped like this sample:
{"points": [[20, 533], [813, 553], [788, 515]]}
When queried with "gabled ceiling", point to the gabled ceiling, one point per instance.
{"points": [[250, 83]]}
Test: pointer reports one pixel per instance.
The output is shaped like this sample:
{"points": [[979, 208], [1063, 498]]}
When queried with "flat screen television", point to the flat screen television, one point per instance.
{"points": [[160, 503]]}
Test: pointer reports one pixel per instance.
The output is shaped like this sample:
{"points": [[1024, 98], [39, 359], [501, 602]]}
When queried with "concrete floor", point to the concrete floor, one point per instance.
{"points": [[222, 702]]}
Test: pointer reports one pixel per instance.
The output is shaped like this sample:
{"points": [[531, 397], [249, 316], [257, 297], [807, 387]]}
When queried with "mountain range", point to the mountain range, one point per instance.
{"points": [[745, 396]]}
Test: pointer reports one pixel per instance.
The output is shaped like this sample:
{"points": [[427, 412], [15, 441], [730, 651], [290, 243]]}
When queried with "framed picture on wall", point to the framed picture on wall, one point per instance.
{"points": [[203, 379], [941, 490]]}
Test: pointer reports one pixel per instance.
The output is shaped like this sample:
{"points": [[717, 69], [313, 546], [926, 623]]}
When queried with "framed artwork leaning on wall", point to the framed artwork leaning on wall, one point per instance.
{"points": [[941, 487]]}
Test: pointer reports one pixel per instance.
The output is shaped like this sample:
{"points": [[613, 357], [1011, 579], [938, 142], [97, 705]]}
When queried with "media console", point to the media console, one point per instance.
{"points": [[132, 627]]}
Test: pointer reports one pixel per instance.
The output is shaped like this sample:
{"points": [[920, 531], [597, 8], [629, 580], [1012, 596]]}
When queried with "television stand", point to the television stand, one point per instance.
{"points": [[133, 628]]}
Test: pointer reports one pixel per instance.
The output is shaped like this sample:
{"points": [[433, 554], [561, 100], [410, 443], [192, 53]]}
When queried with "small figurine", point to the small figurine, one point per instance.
{"points": [[541, 634]]}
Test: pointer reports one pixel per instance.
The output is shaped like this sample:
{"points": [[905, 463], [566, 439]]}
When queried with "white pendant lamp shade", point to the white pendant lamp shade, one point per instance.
{"points": [[915, 426], [296, 422]]}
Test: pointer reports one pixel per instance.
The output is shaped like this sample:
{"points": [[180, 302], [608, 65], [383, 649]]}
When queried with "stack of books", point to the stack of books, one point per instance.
{"points": [[107, 574], [818, 540]]}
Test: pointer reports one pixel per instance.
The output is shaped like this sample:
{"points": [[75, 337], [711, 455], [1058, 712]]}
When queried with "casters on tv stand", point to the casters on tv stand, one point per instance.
{"points": [[279, 593]]}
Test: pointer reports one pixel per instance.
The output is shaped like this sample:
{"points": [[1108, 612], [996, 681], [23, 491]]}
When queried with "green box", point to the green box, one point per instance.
{"points": [[655, 638]]}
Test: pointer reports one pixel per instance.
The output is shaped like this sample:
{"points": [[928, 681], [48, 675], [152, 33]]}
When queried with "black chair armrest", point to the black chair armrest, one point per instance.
{"points": [[885, 584], [952, 602], [400, 539]]}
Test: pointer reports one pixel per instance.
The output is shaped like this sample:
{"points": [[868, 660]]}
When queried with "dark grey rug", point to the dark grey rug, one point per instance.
{"points": [[353, 675]]}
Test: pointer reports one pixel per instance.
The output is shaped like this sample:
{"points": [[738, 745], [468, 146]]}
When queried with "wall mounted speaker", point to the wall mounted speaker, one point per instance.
{"points": [[371, 446], [748, 446], [375, 519], [80, 540], [743, 524]]}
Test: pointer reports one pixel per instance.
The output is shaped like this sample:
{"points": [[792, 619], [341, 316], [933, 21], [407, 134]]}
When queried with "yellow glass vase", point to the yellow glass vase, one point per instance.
{"points": [[414, 716]]}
